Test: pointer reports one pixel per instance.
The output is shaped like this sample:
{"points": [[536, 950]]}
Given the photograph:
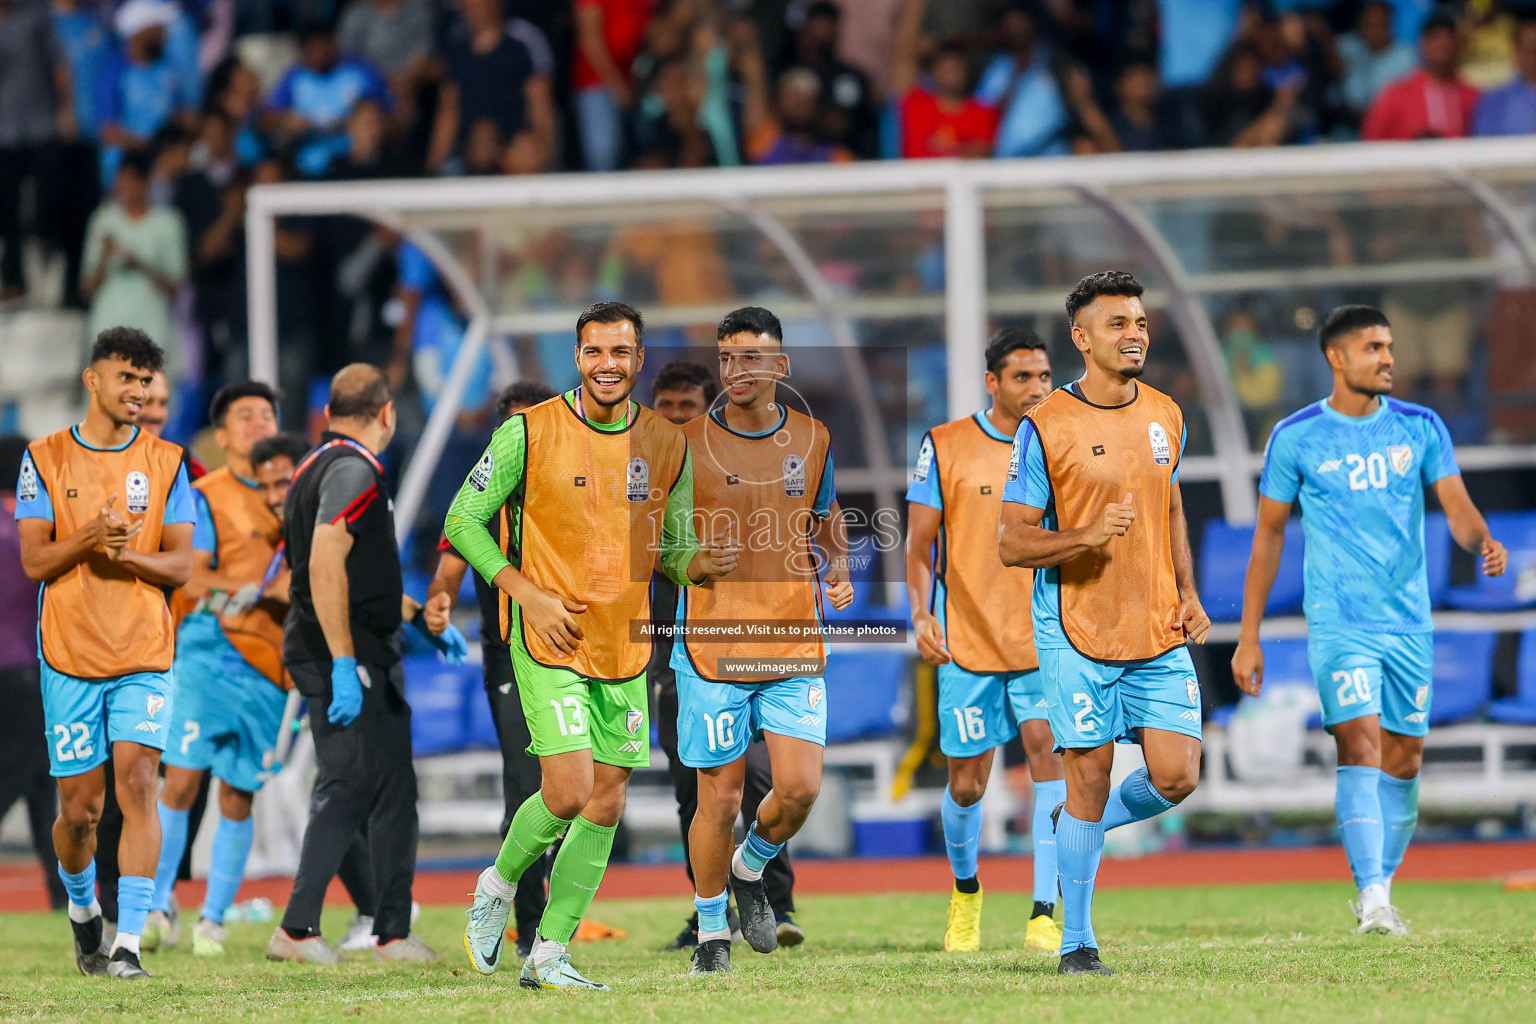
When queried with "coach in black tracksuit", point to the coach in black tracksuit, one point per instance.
{"points": [[340, 541]]}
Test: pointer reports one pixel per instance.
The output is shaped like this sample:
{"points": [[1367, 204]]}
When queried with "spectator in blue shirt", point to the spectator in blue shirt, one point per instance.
{"points": [[140, 89], [83, 38], [1020, 84], [311, 103], [1511, 108], [1193, 36], [1372, 57]]}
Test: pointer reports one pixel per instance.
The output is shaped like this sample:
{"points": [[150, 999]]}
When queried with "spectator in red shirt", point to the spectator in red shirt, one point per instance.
{"points": [[940, 117], [609, 36], [1433, 102]]}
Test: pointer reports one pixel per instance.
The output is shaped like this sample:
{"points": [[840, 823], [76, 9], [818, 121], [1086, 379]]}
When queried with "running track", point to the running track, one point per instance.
{"points": [[21, 884]]}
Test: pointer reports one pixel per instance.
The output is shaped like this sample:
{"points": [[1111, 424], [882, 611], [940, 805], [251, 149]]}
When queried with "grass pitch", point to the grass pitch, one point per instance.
{"points": [[1265, 953]]}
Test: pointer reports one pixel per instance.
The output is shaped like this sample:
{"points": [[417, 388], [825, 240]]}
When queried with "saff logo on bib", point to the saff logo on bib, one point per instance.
{"points": [[26, 486], [137, 487], [794, 476], [1161, 453], [1401, 457], [639, 480]]}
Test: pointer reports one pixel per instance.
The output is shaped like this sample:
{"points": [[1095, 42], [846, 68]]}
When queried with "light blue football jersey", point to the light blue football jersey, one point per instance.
{"points": [[1360, 481]]}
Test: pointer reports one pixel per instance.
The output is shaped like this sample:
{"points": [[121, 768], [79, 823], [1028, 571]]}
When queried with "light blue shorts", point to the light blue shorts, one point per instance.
{"points": [[226, 715], [978, 712], [716, 721], [1092, 703], [1387, 674], [84, 716]]}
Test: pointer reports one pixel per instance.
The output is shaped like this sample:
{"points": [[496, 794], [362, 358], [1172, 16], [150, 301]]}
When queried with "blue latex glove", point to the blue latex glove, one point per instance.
{"points": [[453, 645], [450, 643], [346, 692]]}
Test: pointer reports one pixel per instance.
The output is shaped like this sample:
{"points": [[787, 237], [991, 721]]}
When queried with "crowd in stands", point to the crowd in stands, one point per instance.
{"points": [[130, 130]]}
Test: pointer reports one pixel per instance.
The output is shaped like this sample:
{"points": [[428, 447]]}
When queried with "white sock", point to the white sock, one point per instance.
{"points": [[545, 950], [707, 936], [740, 870], [1373, 897], [80, 915], [493, 884], [128, 942], [1386, 883]]}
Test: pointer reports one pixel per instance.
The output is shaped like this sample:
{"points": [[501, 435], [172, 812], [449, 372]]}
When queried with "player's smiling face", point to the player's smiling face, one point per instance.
{"points": [[118, 388], [609, 357], [750, 366], [247, 421], [1111, 332], [1022, 382], [1364, 359]]}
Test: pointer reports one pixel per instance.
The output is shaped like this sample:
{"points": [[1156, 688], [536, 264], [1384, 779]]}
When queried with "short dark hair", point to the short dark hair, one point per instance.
{"points": [[682, 375], [1442, 20], [750, 320], [1347, 320], [521, 395], [12, 448], [131, 345], [287, 445], [611, 313], [823, 9], [359, 399], [1105, 282], [229, 394], [135, 161], [1010, 339]]}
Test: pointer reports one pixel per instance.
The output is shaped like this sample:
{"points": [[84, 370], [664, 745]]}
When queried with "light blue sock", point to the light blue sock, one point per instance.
{"points": [[1399, 815], [1357, 808], [712, 914], [962, 835], [231, 846], [173, 843], [1042, 836], [133, 896], [81, 887], [1079, 845], [756, 852], [1135, 799]]}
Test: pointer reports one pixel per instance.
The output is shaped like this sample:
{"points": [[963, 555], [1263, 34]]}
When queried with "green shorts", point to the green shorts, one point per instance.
{"points": [[566, 712]]}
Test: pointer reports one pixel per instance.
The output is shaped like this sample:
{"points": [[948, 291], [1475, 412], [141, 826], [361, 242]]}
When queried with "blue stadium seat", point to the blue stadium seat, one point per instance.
{"points": [[863, 691], [436, 692], [1437, 556], [1285, 663], [1463, 676], [479, 726], [1224, 552], [1517, 587], [864, 562], [1521, 708]]}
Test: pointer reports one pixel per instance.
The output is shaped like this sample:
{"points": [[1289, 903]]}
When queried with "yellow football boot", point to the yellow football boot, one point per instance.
{"points": [[963, 932], [1043, 935]]}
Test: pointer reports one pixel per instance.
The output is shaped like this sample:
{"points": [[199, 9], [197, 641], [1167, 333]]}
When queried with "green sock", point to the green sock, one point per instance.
{"points": [[534, 830], [578, 871]]}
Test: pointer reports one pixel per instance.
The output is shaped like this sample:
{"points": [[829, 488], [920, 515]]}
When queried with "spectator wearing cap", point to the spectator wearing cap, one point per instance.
{"points": [[312, 101], [35, 111], [1372, 58], [135, 259], [609, 36], [939, 117], [1511, 108], [491, 77], [1433, 102], [1020, 85], [142, 89], [849, 114]]}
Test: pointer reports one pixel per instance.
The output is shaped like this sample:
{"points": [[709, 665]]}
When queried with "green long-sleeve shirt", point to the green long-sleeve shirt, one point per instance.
{"points": [[498, 476]]}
